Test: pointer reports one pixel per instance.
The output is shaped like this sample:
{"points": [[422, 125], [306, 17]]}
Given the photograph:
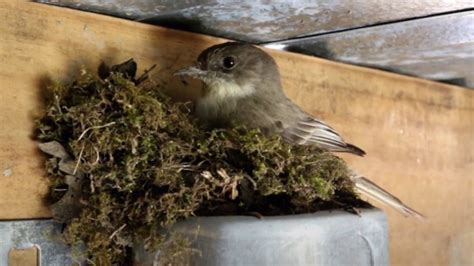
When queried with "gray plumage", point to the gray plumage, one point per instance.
{"points": [[259, 101], [243, 87]]}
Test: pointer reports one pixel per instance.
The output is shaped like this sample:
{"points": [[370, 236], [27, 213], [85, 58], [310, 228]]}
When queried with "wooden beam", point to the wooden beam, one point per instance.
{"points": [[419, 135], [267, 21], [437, 48]]}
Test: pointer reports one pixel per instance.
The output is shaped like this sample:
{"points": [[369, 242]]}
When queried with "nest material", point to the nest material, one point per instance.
{"points": [[132, 162]]}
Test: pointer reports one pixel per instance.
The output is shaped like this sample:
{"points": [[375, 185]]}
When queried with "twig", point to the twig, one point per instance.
{"points": [[94, 127], [144, 76], [91, 178], [97, 154], [79, 159], [116, 231]]}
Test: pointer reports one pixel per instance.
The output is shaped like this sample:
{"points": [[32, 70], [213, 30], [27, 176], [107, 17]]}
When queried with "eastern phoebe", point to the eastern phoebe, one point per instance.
{"points": [[243, 87]]}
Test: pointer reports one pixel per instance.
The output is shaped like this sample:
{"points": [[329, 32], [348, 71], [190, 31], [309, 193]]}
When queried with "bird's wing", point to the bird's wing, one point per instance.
{"points": [[311, 131]]}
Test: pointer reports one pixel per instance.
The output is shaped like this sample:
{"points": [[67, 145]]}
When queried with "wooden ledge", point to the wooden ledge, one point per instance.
{"points": [[418, 134]]}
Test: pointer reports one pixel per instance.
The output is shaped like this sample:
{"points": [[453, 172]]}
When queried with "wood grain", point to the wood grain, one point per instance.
{"points": [[437, 48], [419, 135], [24, 257], [267, 21]]}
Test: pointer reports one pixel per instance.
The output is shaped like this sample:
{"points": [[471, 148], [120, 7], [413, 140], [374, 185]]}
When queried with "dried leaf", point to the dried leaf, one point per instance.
{"points": [[69, 206], [54, 149], [67, 166]]}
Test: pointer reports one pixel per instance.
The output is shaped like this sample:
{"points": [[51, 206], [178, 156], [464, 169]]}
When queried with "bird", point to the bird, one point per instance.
{"points": [[243, 88]]}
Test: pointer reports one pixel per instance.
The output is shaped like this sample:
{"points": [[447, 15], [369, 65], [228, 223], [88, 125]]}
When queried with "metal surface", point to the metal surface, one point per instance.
{"points": [[44, 234], [439, 48], [323, 238]]}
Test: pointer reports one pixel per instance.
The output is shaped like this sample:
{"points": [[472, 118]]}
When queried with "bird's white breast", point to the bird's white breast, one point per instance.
{"points": [[220, 95], [220, 89]]}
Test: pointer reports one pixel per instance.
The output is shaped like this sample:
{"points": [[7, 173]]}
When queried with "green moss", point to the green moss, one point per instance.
{"points": [[146, 164]]}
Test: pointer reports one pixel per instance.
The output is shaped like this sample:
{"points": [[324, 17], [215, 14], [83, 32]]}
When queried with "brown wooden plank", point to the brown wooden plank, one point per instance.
{"points": [[24, 257], [419, 135], [265, 21]]}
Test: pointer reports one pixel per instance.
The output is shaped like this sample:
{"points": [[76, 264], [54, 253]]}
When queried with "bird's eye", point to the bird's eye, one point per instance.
{"points": [[228, 62]]}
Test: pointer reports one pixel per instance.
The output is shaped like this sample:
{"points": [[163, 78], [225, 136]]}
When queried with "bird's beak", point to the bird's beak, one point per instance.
{"points": [[191, 71]]}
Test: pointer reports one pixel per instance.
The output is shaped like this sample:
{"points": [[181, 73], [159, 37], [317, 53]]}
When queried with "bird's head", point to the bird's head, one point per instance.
{"points": [[234, 70]]}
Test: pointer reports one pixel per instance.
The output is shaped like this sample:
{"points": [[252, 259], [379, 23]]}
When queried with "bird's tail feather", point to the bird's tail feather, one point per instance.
{"points": [[372, 190]]}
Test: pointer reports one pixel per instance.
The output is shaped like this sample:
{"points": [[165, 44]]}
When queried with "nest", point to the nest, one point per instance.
{"points": [[126, 162]]}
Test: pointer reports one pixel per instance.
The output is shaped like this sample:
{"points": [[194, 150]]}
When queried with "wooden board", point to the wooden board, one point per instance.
{"points": [[422, 38], [267, 21], [24, 257], [419, 135], [438, 48]]}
